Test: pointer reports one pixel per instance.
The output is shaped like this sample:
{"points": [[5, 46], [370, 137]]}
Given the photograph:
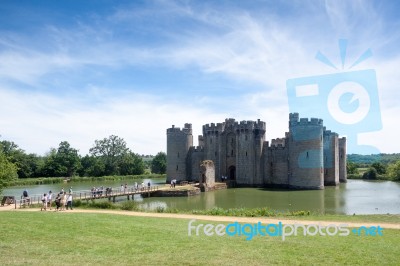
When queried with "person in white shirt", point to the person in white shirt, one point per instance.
{"points": [[44, 202], [69, 201], [49, 198]]}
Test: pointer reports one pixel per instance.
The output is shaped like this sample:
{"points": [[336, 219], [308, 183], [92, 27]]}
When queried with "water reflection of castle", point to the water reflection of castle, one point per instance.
{"points": [[308, 157]]}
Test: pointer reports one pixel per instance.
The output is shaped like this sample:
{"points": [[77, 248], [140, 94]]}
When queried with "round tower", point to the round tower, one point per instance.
{"points": [[178, 144], [305, 153]]}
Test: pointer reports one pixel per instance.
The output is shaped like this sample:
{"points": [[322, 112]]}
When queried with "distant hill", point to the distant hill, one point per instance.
{"points": [[369, 159]]}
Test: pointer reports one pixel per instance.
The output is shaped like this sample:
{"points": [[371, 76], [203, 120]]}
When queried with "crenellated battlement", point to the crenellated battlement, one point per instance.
{"points": [[278, 141], [329, 133], [278, 146], [212, 128], [187, 129], [250, 125], [294, 120]]}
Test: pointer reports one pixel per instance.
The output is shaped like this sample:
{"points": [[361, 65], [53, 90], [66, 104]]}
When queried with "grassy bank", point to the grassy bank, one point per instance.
{"points": [[48, 238], [245, 212], [56, 180]]}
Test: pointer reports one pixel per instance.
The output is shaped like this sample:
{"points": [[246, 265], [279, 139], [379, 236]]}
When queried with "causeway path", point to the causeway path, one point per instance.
{"points": [[213, 218]]}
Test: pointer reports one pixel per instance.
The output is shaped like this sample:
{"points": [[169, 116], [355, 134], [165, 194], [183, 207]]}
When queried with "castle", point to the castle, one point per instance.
{"points": [[308, 157]]}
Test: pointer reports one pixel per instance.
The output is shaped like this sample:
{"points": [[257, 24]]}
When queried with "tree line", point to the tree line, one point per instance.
{"points": [[108, 156], [374, 167]]}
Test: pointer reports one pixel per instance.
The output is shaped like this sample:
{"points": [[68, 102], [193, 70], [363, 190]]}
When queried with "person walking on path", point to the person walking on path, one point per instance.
{"points": [[44, 202], [49, 198], [69, 201], [58, 202]]}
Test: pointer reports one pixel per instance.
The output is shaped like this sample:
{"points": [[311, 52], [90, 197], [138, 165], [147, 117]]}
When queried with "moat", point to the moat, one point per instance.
{"points": [[356, 196]]}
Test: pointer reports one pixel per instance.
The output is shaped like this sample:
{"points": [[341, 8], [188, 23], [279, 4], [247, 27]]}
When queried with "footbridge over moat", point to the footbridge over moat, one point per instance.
{"points": [[107, 193]]}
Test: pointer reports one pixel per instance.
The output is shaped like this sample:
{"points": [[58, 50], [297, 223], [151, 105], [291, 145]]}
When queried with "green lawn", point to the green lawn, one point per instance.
{"points": [[49, 238]]}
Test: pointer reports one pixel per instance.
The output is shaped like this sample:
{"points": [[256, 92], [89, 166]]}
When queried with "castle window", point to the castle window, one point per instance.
{"points": [[210, 141], [231, 152], [176, 167], [245, 137], [178, 154], [246, 153], [307, 154], [232, 141], [215, 153]]}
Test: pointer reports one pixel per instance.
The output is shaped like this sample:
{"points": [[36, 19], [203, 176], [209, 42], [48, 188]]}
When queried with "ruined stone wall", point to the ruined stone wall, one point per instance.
{"points": [[207, 170], [178, 144]]}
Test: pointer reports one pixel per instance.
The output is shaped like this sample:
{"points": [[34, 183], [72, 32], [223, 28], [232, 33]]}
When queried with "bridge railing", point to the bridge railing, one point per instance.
{"points": [[88, 194]]}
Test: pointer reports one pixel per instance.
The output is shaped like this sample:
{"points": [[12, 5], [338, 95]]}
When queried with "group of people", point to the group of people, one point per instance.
{"points": [[63, 200]]}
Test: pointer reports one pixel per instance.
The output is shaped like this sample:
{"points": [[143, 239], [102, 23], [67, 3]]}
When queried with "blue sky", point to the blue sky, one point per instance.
{"points": [[83, 70]]}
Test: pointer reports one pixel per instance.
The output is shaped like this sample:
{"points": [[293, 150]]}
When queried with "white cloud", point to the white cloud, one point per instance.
{"points": [[258, 52]]}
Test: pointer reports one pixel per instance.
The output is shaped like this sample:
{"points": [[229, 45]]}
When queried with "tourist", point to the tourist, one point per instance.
{"points": [[172, 183], [44, 202], [122, 189], [125, 188], [136, 186], [62, 191], [49, 198], [25, 197], [62, 201], [142, 186], [69, 201], [58, 202], [70, 190], [148, 185]]}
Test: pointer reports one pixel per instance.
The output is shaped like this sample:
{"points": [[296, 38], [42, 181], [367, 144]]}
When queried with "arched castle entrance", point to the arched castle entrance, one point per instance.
{"points": [[232, 172]]}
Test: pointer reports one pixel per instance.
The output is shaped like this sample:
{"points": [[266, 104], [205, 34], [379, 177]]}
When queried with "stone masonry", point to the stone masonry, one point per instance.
{"points": [[308, 157]]}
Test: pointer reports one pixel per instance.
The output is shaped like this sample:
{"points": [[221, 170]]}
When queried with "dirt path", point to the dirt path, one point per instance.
{"points": [[217, 218]]}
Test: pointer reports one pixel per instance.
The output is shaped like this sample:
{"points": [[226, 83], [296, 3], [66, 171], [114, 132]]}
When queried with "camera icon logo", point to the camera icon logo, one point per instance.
{"points": [[348, 102]]}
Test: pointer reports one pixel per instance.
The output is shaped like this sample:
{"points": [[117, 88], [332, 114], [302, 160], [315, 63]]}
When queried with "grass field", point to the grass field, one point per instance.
{"points": [[49, 238]]}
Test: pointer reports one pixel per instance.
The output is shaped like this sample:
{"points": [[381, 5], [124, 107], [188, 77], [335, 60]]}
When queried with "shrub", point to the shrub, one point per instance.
{"points": [[129, 206]]}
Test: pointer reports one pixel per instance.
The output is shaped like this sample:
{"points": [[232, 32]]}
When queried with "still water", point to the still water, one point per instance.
{"points": [[356, 196]]}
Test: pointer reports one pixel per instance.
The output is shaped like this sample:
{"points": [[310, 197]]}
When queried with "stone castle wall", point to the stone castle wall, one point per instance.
{"points": [[308, 157]]}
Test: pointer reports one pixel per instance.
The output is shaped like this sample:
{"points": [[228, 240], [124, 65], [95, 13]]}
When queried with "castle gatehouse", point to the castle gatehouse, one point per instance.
{"points": [[308, 157]]}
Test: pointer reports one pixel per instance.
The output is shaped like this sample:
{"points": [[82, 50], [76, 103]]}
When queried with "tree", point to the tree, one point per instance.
{"points": [[91, 166], [131, 164], [8, 171], [371, 174], [112, 151], [68, 158], [380, 167], [351, 168], [394, 171], [64, 161], [159, 163]]}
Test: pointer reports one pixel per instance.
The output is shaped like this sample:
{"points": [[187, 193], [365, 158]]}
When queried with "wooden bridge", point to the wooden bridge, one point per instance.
{"points": [[110, 193]]}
